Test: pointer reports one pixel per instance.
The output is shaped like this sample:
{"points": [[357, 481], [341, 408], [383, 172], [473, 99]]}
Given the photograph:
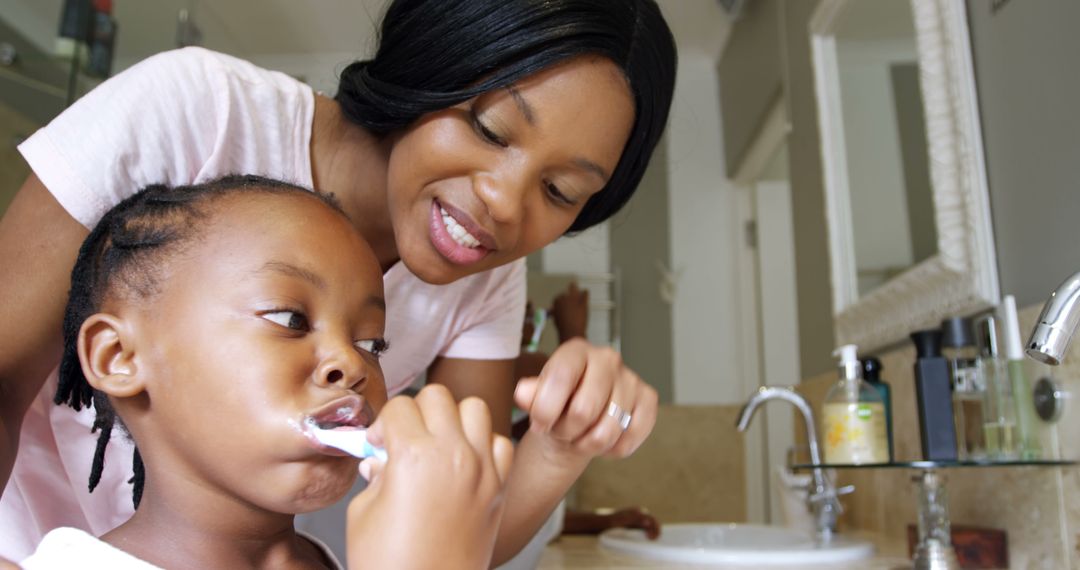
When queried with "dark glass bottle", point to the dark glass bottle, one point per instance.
{"points": [[932, 386], [872, 374]]}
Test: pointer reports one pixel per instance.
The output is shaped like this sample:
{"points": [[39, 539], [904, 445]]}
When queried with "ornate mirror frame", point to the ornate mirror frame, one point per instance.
{"points": [[962, 277]]}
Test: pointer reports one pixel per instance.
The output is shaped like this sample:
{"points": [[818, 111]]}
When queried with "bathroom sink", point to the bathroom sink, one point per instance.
{"points": [[735, 544]]}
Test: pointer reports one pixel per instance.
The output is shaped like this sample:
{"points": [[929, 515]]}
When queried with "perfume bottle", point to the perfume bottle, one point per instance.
{"points": [[999, 429], [968, 387], [937, 430]]}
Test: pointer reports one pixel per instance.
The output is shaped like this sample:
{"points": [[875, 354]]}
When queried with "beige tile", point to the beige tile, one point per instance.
{"points": [[1063, 436], [691, 469]]}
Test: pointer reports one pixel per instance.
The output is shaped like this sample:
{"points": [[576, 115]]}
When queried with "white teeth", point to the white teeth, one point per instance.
{"points": [[457, 231]]}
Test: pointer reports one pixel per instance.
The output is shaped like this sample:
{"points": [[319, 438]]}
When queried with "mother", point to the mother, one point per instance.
{"points": [[481, 131]]}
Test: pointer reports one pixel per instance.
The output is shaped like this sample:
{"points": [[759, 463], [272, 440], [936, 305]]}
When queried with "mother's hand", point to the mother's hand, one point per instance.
{"points": [[571, 402]]}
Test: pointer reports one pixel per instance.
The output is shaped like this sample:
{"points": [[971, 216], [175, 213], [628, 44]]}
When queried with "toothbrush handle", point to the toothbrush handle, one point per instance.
{"points": [[372, 451]]}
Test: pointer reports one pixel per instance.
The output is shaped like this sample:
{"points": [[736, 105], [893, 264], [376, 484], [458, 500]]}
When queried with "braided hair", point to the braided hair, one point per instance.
{"points": [[125, 253]]}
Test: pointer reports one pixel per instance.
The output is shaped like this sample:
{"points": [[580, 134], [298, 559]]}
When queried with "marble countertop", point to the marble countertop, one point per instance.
{"points": [[585, 553]]}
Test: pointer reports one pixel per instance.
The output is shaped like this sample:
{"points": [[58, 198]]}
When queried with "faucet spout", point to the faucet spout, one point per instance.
{"points": [[1057, 323], [823, 496], [766, 393]]}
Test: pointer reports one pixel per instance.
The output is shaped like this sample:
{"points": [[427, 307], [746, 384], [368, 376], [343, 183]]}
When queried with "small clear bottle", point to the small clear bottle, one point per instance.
{"points": [[854, 416], [969, 387], [999, 429]]}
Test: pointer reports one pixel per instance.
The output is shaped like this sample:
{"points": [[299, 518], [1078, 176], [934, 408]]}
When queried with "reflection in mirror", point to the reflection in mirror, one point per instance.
{"points": [[892, 212], [910, 238]]}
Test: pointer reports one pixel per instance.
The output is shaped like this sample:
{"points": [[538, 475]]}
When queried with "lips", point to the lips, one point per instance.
{"points": [[446, 245], [346, 412]]}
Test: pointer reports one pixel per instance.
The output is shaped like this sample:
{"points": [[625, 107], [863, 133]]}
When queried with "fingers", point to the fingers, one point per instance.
{"points": [[588, 405], [618, 407], [642, 421], [399, 421], [370, 468], [502, 451], [558, 381], [525, 392], [440, 411], [476, 425], [587, 398]]}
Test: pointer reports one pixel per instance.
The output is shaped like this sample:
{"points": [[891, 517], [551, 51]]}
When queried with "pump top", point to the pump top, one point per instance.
{"points": [[850, 367]]}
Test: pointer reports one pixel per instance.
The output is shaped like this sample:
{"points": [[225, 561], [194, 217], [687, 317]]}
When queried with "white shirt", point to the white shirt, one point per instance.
{"points": [[73, 548], [189, 116]]}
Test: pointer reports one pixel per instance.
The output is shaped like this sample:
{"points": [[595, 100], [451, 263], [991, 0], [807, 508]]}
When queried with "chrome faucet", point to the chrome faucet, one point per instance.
{"points": [[823, 496], [1057, 323]]}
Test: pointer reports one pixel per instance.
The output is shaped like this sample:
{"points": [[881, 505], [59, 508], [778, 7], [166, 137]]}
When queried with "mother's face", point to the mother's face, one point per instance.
{"points": [[497, 177]]}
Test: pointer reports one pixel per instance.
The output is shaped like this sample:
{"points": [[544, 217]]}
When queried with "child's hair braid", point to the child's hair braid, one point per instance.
{"points": [[124, 254]]}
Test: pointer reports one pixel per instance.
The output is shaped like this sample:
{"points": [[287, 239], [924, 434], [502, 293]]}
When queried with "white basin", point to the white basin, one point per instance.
{"points": [[748, 544]]}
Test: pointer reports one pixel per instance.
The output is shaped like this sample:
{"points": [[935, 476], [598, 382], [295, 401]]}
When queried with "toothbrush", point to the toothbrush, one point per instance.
{"points": [[539, 320], [351, 441]]}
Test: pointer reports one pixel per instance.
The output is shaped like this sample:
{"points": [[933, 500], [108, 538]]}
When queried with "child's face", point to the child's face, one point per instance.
{"points": [[273, 314]]}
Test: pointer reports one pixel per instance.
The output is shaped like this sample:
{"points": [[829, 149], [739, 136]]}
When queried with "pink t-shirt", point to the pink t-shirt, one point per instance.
{"points": [[189, 116]]}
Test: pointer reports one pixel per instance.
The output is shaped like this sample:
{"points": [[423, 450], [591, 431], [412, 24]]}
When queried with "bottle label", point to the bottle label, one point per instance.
{"points": [[966, 377], [855, 433]]}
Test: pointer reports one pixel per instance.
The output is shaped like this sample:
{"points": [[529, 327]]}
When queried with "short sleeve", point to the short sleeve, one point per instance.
{"points": [[494, 332], [155, 122]]}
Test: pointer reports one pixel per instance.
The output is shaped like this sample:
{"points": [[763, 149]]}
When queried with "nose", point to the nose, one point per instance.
{"points": [[503, 193], [342, 366]]}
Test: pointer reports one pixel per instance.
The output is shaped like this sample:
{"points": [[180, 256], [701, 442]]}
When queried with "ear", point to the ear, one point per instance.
{"points": [[108, 357]]}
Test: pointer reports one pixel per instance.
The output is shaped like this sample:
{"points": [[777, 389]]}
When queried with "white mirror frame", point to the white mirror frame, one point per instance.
{"points": [[962, 277]]}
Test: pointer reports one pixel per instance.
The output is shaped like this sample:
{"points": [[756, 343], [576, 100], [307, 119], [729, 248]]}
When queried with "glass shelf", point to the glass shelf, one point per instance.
{"points": [[940, 464]]}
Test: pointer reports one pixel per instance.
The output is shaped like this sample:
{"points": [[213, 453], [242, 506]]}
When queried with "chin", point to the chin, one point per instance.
{"points": [[322, 487], [435, 270]]}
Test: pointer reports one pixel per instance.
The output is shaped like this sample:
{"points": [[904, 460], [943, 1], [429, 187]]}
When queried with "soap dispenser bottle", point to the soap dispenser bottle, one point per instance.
{"points": [[854, 416]]}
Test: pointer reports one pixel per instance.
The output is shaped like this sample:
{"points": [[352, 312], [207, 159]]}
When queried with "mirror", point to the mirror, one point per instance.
{"points": [[892, 210], [907, 206]]}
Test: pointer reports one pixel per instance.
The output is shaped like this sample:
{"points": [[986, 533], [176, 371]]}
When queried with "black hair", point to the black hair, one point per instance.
{"points": [[434, 54], [125, 254]]}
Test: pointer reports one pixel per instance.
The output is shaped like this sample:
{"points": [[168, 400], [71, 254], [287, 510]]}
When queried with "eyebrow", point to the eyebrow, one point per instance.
{"points": [[592, 167], [530, 117], [522, 105], [293, 271]]}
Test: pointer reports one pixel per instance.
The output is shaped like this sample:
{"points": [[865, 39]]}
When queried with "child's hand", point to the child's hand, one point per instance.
{"points": [[437, 501], [587, 403], [570, 311]]}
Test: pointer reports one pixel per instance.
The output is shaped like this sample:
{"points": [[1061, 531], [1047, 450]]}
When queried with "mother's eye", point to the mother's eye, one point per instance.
{"points": [[485, 132], [294, 320]]}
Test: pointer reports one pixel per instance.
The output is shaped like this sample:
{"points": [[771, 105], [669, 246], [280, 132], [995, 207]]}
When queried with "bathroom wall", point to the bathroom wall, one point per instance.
{"points": [[1029, 94], [1037, 507], [769, 54], [640, 237], [691, 469]]}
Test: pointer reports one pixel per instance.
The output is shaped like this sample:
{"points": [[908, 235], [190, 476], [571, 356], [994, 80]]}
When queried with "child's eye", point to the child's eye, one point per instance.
{"points": [[294, 320], [375, 346]]}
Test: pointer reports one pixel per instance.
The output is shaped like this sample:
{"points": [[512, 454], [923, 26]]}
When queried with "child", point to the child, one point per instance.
{"points": [[211, 323]]}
